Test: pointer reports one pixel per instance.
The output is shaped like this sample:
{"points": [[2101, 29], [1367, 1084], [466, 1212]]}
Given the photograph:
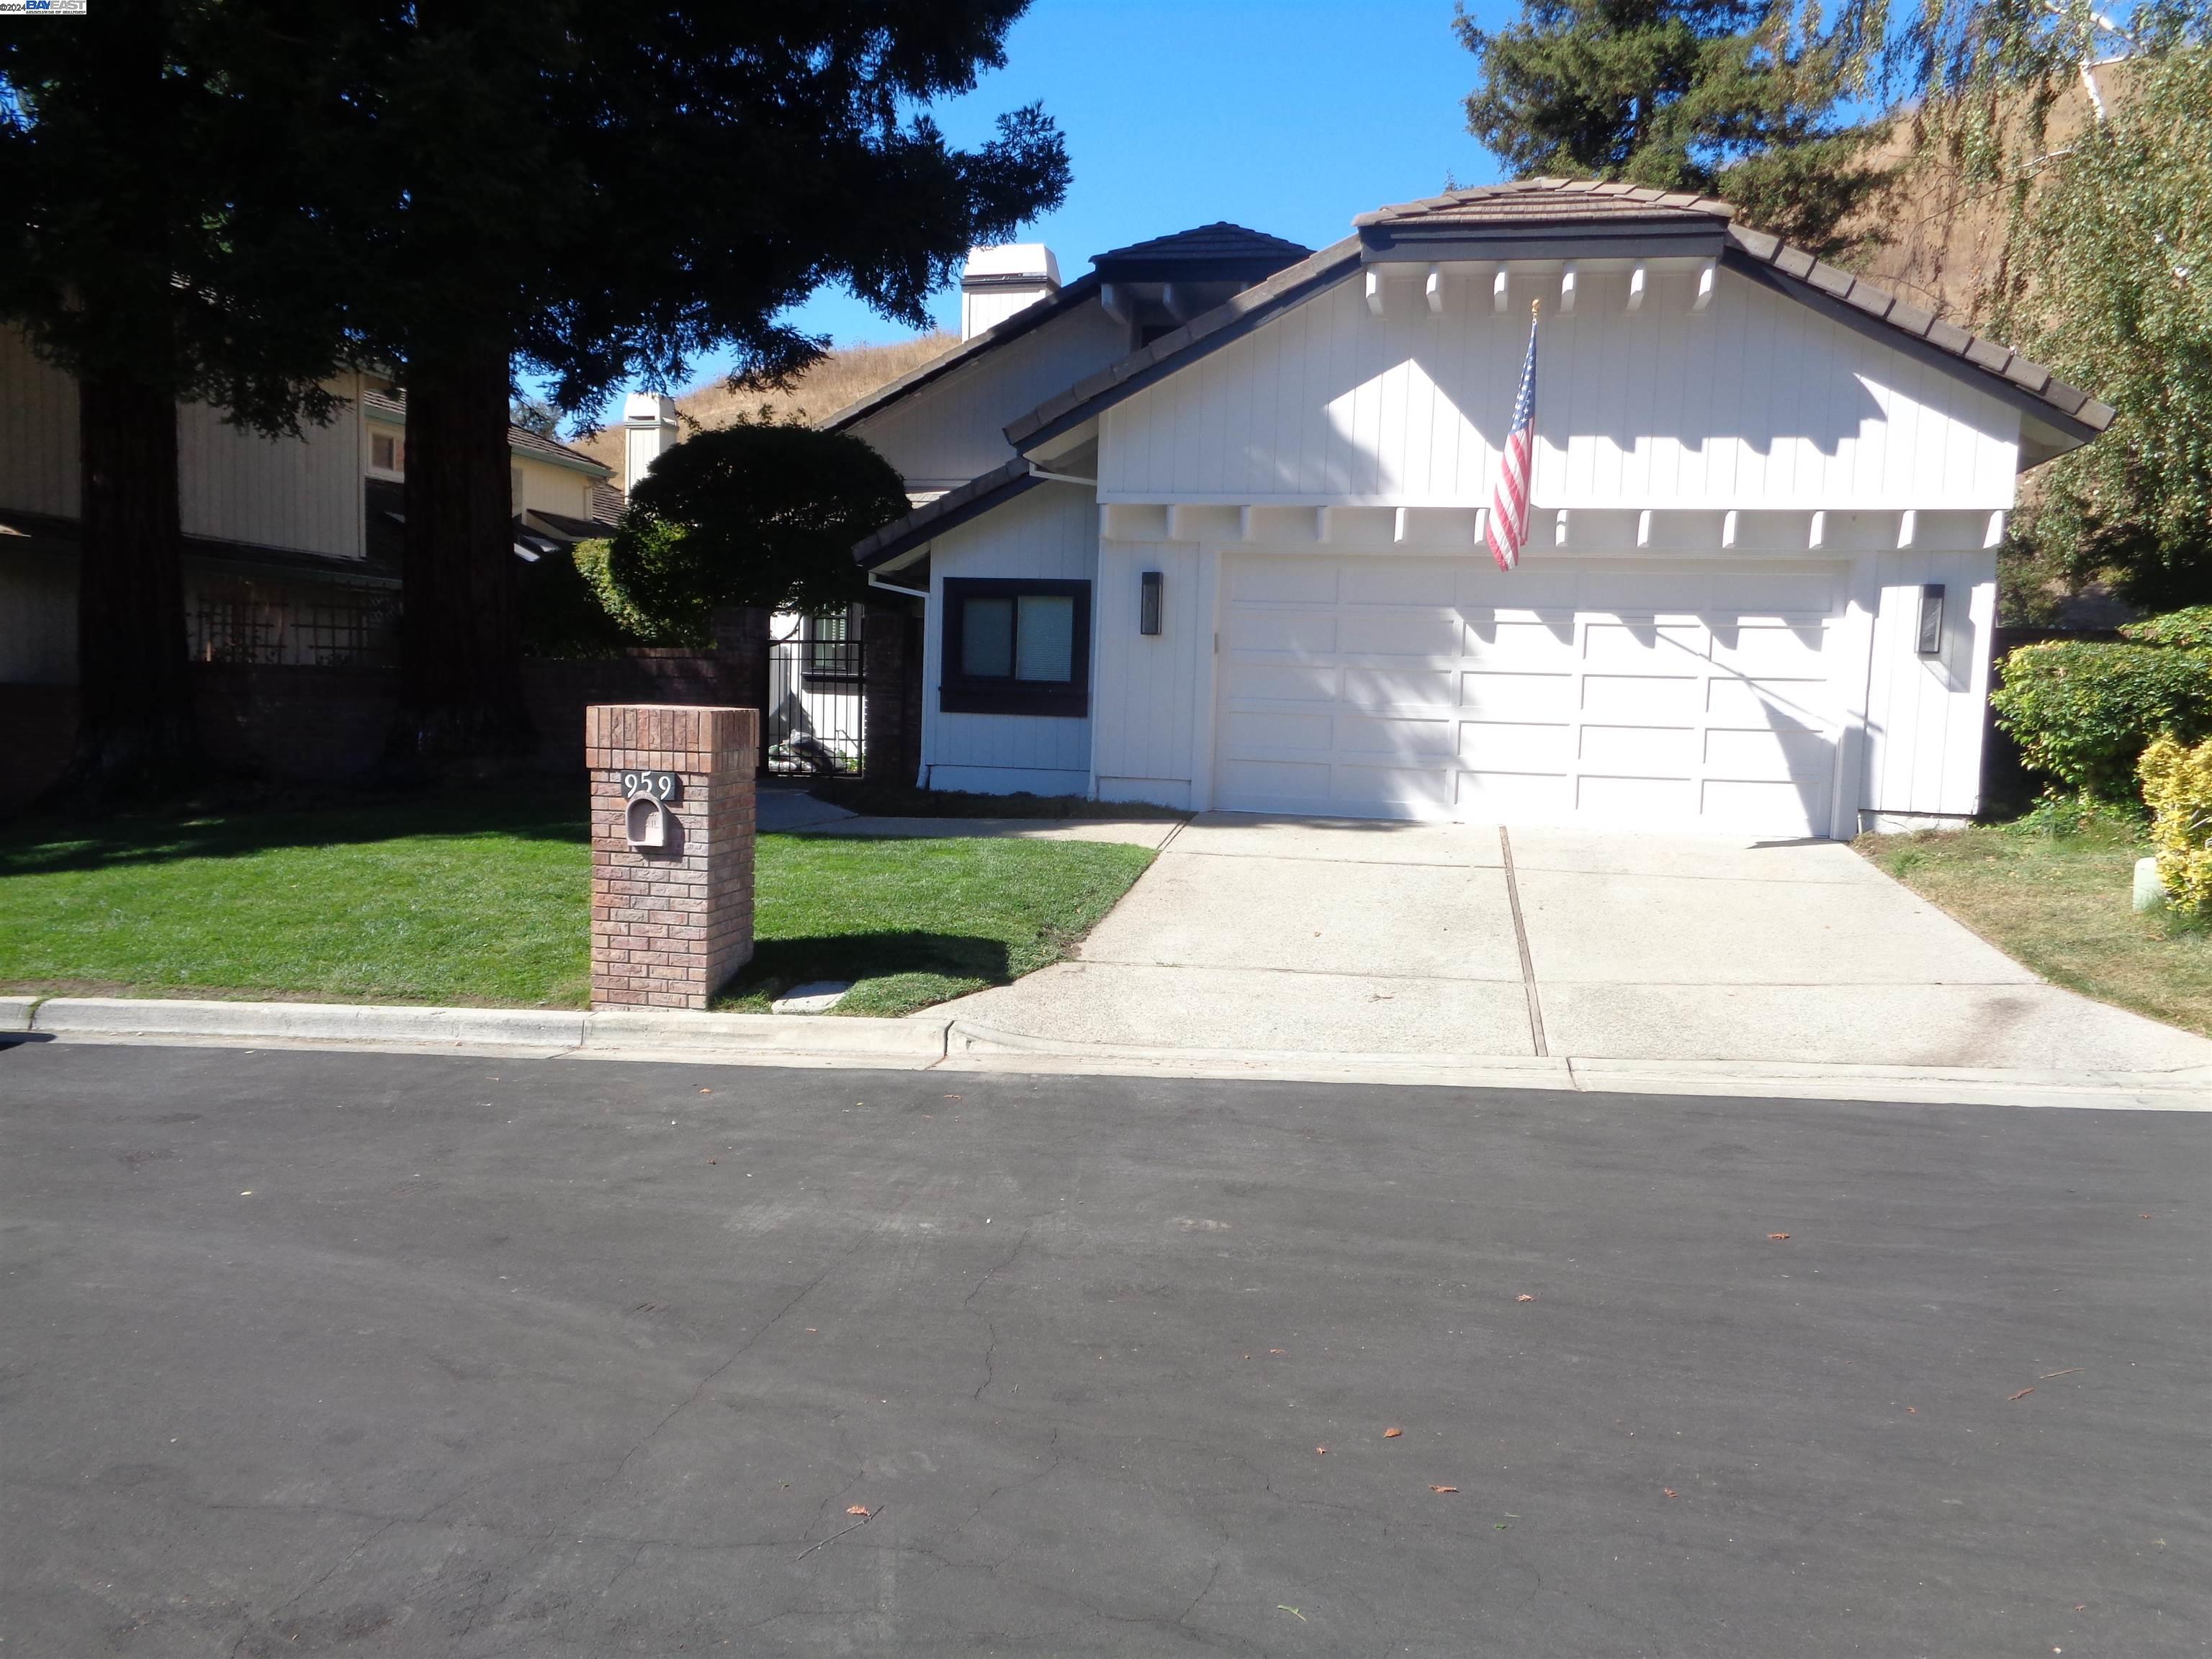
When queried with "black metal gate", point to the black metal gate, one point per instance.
{"points": [[817, 711]]}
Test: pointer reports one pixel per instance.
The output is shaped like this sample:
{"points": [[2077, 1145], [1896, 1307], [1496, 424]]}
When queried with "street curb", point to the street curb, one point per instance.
{"points": [[613, 1034], [325, 1022], [921, 1042], [973, 1046], [858, 1036]]}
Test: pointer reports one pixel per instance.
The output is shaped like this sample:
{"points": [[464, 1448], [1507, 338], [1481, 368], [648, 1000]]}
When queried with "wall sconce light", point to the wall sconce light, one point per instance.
{"points": [[1931, 619], [1148, 602]]}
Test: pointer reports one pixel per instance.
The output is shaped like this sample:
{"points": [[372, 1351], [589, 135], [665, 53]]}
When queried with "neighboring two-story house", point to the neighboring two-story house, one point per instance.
{"points": [[1207, 527], [291, 545]]}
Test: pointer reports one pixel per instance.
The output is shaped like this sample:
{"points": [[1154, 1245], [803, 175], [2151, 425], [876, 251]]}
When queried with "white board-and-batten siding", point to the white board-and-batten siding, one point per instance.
{"points": [[954, 428], [1925, 717], [1050, 532], [1758, 404], [301, 494], [1148, 689]]}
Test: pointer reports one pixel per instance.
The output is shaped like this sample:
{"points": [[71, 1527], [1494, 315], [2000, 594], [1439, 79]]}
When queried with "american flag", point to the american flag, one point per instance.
{"points": [[1509, 504]]}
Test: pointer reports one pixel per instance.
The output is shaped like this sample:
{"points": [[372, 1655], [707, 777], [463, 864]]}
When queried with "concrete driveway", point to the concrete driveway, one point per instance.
{"points": [[1362, 938]]}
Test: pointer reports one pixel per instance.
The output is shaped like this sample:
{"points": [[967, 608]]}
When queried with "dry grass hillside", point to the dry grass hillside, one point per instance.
{"points": [[844, 376], [1947, 233]]}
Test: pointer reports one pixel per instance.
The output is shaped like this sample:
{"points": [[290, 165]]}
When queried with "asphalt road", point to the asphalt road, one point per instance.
{"points": [[359, 1354]]}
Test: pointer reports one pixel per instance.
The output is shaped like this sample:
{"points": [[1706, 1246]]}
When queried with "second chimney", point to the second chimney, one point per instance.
{"points": [[648, 428], [998, 281]]}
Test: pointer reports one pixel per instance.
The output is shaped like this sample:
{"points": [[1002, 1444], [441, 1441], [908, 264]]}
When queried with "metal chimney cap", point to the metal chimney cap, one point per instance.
{"points": [[1028, 263]]}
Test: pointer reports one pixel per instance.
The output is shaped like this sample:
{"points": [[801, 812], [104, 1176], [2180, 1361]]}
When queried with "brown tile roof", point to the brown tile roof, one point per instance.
{"points": [[1550, 201]]}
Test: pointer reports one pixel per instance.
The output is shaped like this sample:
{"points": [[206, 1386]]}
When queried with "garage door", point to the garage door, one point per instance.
{"points": [[1687, 695]]}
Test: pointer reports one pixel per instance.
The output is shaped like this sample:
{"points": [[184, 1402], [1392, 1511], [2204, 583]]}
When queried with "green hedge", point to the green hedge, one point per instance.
{"points": [[2084, 713], [2190, 628]]}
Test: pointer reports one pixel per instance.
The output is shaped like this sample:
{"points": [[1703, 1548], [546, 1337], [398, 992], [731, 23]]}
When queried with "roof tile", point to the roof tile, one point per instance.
{"points": [[1829, 280], [2071, 398], [1756, 243], [1949, 336], [1912, 318], [1984, 355], [1871, 300]]}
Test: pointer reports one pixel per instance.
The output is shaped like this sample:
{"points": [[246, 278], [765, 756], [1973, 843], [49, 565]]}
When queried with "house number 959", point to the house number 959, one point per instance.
{"points": [[657, 785]]}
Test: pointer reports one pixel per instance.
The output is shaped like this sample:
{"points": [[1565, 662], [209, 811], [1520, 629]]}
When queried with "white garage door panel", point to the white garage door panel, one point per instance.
{"points": [[1488, 695], [1679, 696]]}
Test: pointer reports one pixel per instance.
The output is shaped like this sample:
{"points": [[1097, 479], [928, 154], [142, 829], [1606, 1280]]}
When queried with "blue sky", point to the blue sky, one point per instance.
{"points": [[1289, 116]]}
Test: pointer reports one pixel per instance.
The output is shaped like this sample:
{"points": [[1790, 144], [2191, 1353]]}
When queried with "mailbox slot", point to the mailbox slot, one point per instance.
{"points": [[646, 822]]}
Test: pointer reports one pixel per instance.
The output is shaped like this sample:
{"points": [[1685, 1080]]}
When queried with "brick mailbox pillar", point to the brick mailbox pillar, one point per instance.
{"points": [[671, 850]]}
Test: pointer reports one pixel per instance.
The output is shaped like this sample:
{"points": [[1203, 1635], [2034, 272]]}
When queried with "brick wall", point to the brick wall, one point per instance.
{"points": [[891, 692], [671, 924]]}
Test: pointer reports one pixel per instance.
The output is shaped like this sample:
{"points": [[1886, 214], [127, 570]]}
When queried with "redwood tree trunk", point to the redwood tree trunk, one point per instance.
{"points": [[136, 733], [461, 710]]}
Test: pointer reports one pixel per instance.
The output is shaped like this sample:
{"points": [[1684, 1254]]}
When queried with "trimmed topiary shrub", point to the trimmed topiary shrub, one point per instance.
{"points": [[2084, 713], [2176, 782]]}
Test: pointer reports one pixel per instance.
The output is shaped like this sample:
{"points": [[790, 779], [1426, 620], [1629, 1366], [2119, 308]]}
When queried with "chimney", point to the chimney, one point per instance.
{"points": [[648, 428], [999, 280]]}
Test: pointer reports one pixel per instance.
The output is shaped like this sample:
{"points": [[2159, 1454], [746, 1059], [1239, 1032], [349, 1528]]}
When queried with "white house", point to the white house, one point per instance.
{"points": [[1204, 527]]}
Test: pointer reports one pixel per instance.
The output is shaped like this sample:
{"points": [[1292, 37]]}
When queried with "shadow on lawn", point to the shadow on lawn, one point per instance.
{"points": [[535, 811], [778, 963]]}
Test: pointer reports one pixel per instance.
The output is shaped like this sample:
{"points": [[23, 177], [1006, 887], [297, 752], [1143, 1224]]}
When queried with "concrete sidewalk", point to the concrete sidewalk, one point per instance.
{"points": [[1362, 938]]}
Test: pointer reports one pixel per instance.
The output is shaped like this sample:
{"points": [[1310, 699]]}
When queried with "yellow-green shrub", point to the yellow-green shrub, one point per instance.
{"points": [[2177, 786]]}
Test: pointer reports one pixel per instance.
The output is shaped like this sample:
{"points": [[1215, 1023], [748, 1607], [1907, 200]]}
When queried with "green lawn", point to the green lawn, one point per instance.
{"points": [[482, 899], [2059, 904]]}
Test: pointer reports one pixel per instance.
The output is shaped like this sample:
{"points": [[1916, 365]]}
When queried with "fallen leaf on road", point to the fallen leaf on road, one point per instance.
{"points": [[1443, 1488], [861, 1510], [1670, 1492], [2023, 1394], [2081, 1607], [706, 1091], [1321, 1451], [1392, 1434], [1293, 1612], [1913, 1411], [1278, 1350], [953, 1096], [1524, 1296], [1777, 1237]]}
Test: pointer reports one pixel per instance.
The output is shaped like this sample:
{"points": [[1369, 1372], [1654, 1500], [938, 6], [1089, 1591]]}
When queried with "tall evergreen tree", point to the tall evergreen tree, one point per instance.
{"points": [[1744, 99], [592, 193], [158, 240]]}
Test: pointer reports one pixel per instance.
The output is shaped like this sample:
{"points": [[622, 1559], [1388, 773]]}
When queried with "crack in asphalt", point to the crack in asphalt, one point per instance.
{"points": [[968, 1305]]}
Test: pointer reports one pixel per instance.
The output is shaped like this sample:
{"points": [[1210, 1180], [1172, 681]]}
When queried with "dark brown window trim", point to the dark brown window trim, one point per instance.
{"points": [[1063, 700]]}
